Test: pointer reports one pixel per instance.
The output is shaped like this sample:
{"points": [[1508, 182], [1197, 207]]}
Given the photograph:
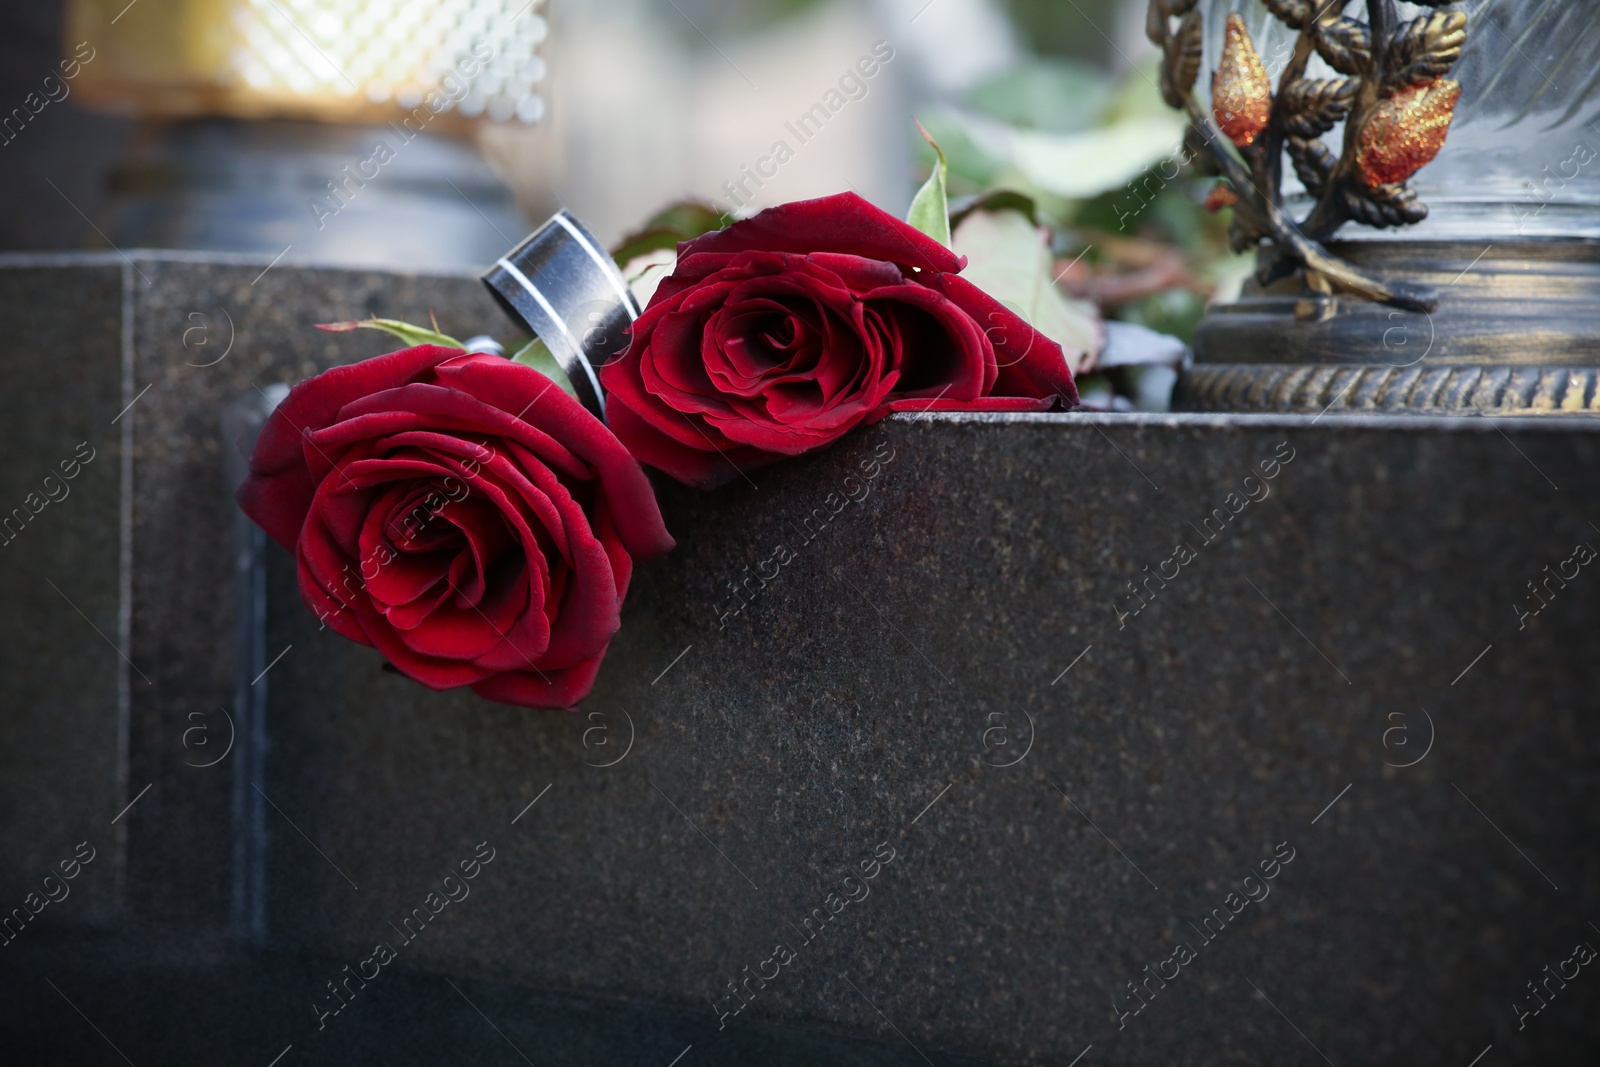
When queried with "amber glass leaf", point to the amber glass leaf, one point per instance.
{"points": [[1241, 92], [1405, 132]]}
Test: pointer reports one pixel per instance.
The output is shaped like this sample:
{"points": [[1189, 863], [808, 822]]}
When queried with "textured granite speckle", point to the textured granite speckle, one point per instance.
{"points": [[189, 313], [59, 747], [921, 635], [1201, 736]]}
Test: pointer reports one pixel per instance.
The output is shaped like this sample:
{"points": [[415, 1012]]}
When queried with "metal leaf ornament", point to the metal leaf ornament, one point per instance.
{"points": [[1313, 162], [1391, 95], [1292, 13], [1183, 53], [1387, 205], [1426, 48], [1345, 44], [1315, 107]]}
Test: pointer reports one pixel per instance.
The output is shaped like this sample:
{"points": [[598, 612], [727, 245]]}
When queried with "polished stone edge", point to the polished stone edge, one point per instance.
{"points": [[1365, 388]]}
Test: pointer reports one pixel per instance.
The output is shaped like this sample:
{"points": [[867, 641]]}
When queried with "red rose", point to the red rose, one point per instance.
{"points": [[783, 332], [460, 514]]}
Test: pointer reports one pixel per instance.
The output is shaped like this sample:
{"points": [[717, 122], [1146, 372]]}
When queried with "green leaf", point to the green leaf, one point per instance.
{"points": [[536, 354], [1137, 96], [969, 153], [645, 274], [930, 211], [682, 221], [1082, 165], [411, 335], [1052, 96], [1009, 258], [994, 200]]}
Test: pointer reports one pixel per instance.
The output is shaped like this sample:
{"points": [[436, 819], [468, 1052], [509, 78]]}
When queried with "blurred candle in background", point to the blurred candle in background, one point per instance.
{"points": [[346, 61], [326, 130]]}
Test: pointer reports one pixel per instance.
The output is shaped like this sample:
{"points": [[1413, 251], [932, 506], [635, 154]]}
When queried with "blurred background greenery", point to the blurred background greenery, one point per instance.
{"points": [[1064, 110], [623, 107], [1077, 123]]}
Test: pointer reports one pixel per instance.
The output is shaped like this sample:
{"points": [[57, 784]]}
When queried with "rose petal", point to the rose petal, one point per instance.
{"points": [[705, 468], [450, 412], [1027, 362], [330, 610], [435, 672], [278, 492], [627, 491], [942, 351], [535, 689], [842, 223]]}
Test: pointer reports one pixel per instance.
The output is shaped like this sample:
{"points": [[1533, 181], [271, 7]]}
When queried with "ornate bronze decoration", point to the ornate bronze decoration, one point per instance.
{"points": [[1364, 388], [1391, 94]]}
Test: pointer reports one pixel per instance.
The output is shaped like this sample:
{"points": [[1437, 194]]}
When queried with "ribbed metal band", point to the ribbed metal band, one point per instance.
{"points": [[1492, 390], [559, 285]]}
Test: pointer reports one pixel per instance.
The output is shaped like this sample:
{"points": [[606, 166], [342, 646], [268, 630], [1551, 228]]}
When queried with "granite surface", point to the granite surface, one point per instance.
{"points": [[61, 741], [1333, 683]]}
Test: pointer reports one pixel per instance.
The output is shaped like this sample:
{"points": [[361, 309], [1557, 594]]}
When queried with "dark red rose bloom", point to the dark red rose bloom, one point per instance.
{"points": [[462, 515], [783, 332]]}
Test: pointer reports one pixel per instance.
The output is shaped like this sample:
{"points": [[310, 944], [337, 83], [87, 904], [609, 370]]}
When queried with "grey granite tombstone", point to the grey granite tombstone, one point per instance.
{"points": [[1196, 739]]}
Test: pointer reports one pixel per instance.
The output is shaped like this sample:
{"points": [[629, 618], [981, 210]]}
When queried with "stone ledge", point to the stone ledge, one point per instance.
{"points": [[851, 701]]}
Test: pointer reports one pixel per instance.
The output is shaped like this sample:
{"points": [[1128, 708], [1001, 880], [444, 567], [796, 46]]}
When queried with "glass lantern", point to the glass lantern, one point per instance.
{"points": [[1510, 243]]}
